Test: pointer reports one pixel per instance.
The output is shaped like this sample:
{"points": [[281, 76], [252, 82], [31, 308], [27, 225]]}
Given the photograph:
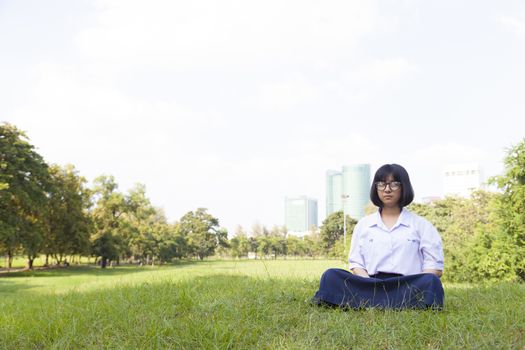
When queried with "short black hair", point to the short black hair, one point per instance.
{"points": [[400, 174]]}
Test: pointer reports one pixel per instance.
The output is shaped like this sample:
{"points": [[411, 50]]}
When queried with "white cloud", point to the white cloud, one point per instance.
{"points": [[287, 94], [384, 71], [512, 24], [183, 35], [446, 153], [92, 124]]}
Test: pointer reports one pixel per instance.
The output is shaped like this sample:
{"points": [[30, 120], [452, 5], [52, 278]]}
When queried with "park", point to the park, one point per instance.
{"points": [[238, 304], [97, 268], [200, 174]]}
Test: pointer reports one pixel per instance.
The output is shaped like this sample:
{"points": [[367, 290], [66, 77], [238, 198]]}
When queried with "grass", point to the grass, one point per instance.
{"points": [[238, 305]]}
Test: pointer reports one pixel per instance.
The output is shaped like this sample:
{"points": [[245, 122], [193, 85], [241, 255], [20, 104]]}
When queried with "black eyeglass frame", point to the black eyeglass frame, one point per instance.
{"points": [[394, 185]]}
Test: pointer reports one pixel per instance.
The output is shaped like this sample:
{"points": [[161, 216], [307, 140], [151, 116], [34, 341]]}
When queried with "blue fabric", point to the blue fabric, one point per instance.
{"points": [[341, 288]]}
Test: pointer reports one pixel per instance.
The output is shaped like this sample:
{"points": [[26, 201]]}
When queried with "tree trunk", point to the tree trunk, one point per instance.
{"points": [[47, 260], [30, 263], [9, 260], [104, 262]]}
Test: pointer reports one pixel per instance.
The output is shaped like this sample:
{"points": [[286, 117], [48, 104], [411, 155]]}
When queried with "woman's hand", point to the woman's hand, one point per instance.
{"points": [[360, 272], [438, 273]]}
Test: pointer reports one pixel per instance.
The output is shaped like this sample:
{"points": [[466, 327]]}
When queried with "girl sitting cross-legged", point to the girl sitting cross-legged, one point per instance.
{"points": [[396, 257]]}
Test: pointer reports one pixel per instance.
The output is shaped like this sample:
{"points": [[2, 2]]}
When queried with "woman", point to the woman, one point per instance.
{"points": [[396, 257]]}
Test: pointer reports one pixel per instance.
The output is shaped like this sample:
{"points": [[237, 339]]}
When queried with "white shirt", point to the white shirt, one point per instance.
{"points": [[410, 246]]}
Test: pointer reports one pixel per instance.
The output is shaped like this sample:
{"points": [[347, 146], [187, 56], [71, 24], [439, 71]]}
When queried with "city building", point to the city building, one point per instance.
{"points": [[300, 214], [461, 179], [334, 191], [349, 188]]}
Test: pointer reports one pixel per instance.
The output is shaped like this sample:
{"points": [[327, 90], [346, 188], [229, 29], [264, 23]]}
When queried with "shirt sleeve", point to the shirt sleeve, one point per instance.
{"points": [[355, 258], [431, 247]]}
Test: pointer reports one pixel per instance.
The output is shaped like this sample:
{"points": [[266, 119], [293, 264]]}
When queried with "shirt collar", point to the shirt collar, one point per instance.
{"points": [[404, 219]]}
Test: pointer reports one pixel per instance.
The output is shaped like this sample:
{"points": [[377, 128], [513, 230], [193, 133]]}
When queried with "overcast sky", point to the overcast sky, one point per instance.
{"points": [[232, 105]]}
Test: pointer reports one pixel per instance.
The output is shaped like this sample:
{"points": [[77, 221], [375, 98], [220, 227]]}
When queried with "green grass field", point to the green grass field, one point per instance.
{"points": [[238, 305]]}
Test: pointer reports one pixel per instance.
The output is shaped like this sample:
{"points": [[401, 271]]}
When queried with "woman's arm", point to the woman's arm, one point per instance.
{"points": [[432, 249], [356, 260]]}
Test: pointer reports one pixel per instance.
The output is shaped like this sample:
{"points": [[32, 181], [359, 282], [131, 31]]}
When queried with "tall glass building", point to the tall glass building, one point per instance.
{"points": [[356, 185], [334, 191], [300, 213], [349, 188]]}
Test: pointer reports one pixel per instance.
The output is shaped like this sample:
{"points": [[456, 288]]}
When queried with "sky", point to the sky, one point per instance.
{"points": [[233, 105]]}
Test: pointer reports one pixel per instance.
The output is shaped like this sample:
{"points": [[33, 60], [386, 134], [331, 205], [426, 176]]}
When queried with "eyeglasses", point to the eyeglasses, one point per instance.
{"points": [[394, 185]]}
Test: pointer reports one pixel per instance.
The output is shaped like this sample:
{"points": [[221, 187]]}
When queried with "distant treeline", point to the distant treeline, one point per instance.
{"points": [[49, 209]]}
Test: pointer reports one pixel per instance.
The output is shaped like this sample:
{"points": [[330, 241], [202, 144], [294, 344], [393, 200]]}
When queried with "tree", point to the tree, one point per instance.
{"points": [[254, 245], [173, 244], [110, 206], [296, 246], [143, 225], [278, 246], [24, 180], [333, 229], [201, 231], [67, 222], [239, 244], [264, 246], [259, 230], [500, 250], [459, 221]]}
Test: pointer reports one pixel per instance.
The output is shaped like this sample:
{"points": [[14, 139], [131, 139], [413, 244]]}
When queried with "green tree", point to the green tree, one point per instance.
{"points": [[24, 180], [201, 231], [459, 220], [313, 245], [333, 229], [499, 252], [264, 246], [108, 215], [173, 244], [259, 230], [254, 245], [67, 222], [239, 244], [296, 246], [278, 246], [142, 226]]}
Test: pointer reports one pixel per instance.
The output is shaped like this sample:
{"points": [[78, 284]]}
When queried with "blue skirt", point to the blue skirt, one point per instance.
{"points": [[340, 288]]}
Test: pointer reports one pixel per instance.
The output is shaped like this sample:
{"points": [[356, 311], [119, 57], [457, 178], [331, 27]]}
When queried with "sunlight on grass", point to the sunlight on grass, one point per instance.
{"points": [[59, 281], [238, 304]]}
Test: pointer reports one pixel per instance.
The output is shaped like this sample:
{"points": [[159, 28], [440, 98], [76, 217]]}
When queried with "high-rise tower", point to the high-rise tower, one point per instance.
{"points": [[300, 214], [356, 189], [349, 188]]}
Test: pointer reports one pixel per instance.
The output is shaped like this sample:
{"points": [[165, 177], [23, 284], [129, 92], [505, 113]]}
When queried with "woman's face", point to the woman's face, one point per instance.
{"points": [[389, 196]]}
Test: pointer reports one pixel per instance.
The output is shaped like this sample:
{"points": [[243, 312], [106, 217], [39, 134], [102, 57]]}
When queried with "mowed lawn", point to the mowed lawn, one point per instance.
{"points": [[262, 304]]}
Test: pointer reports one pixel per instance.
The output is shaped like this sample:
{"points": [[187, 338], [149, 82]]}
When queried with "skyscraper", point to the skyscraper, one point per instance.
{"points": [[356, 185], [334, 191], [349, 188], [300, 214]]}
